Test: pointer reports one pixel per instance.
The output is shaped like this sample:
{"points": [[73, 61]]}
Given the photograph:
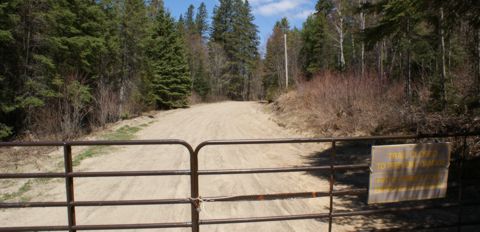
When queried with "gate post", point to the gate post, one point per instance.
{"points": [[67, 152], [332, 183], [194, 189], [462, 156]]}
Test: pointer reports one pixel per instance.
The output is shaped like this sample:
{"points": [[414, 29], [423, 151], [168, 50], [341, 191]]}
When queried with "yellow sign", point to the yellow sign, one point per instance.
{"points": [[408, 172]]}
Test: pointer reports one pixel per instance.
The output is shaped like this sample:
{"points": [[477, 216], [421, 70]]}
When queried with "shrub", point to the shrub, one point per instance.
{"points": [[343, 104]]}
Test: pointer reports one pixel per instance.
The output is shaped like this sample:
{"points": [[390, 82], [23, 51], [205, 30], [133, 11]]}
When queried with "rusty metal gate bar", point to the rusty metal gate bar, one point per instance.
{"points": [[195, 200], [69, 174], [331, 168]]}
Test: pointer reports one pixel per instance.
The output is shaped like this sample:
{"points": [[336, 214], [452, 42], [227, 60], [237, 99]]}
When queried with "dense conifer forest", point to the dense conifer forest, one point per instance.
{"points": [[67, 66]]}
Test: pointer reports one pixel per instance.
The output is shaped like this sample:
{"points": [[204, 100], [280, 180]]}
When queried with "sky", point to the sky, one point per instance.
{"points": [[266, 12]]}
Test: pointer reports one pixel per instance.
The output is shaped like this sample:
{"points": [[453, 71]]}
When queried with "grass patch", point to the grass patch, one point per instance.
{"points": [[123, 133], [45, 180], [147, 124], [22, 190], [90, 152]]}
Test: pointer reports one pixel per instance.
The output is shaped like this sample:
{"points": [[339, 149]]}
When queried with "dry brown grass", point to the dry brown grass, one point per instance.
{"points": [[342, 104]]}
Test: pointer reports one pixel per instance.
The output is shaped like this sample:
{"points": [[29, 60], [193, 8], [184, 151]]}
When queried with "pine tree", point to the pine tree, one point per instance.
{"points": [[181, 25], [202, 85], [132, 43], [274, 63], [201, 20], [26, 57], [196, 50], [316, 48], [248, 45], [234, 30], [170, 84], [405, 23], [8, 60], [78, 36], [189, 19], [295, 60], [222, 23]]}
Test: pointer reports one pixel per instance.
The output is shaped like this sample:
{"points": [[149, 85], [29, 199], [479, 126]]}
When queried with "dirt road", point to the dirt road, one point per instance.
{"points": [[228, 120]]}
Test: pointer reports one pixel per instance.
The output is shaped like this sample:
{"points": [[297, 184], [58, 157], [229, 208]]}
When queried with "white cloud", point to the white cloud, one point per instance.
{"points": [[277, 7], [295, 8], [303, 14], [259, 2]]}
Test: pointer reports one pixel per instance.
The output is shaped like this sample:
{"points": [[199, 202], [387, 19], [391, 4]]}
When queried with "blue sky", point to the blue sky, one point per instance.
{"points": [[266, 12]]}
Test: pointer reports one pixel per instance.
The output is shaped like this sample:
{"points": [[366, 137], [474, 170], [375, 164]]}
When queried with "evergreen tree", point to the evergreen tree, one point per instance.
{"points": [[132, 45], [189, 19], [317, 46], [8, 60], [202, 85], [181, 25], [201, 20], [274, 63], [196, 50], [79, 28], [406, 23], [248, 33], [222, 23], [170, 84], [233, 29]]}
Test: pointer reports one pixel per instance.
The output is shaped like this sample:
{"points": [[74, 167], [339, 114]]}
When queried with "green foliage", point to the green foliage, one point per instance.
{"points": [[21, 191], [201, 85], [79, 94], [274, 66], [71, 60], [419, 31], [5, 131], [317, 47], [189, 18], [123, 133], [233, 29], [193, 32], [201, 20], [89, 153], [170, 84]]}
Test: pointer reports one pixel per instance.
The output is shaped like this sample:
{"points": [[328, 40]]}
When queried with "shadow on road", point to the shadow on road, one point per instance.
{"points": [[360, 153]]}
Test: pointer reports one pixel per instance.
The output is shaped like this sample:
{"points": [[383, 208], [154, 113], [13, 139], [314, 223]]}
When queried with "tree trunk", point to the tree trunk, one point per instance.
{"points": [[249, 77], [362, 46], [339, 28], [477, 60], [124, 77], [392, 61], [443, 68], [380, 58], [342, 55], [286, 62], [354, 55], [408, 84], [26, 39]]}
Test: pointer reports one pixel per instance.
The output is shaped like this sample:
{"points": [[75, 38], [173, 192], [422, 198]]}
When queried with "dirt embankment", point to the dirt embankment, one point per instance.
{"points": [[346, 105]]}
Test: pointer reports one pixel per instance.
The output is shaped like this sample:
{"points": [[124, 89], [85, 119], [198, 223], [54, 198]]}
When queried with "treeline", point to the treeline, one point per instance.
{"points": [[72, 65], [430, 47], [223, 57], [68, 66]]}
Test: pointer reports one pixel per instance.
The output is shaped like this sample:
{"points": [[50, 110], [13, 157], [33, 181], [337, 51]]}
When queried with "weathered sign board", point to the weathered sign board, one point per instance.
{"points": [[408, 172]]}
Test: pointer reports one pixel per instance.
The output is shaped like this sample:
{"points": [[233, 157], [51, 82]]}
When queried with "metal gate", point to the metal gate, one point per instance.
{"points": [[195, 200]]}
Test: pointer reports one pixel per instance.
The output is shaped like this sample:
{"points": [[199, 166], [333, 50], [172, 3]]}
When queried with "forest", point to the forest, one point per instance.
{"points": [[69, 66]]}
